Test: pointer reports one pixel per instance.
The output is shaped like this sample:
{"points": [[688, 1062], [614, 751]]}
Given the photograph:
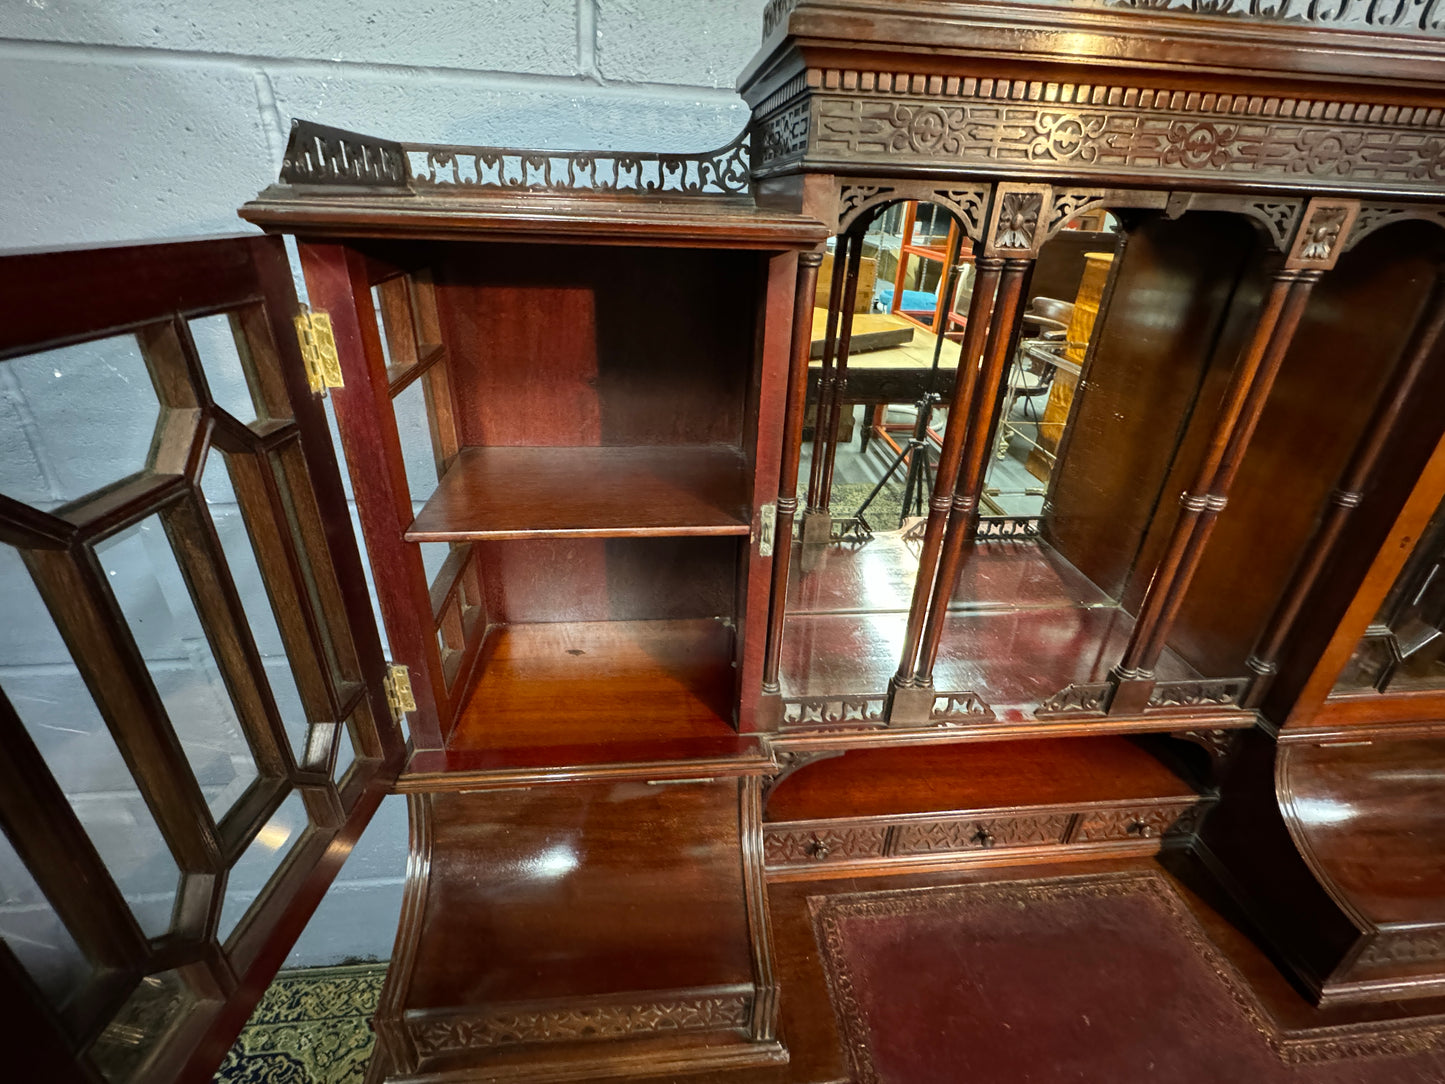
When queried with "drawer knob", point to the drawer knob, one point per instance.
{"points": [[817, 850], [1141, 829], [984, 838]]}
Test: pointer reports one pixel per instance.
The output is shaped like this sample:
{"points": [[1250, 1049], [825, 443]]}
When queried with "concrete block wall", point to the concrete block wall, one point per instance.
{"points": [[157, 119]]}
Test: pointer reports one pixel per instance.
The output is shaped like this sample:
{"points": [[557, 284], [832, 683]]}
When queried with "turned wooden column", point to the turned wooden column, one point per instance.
{"points": [[1315, 247], [1015, 232], [817, 524], [793, 411], [825, 372], [940, 503], [1404, 383]]}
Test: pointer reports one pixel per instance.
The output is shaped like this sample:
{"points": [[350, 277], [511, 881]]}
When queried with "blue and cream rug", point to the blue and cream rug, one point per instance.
{"points": [[313, 1026]]}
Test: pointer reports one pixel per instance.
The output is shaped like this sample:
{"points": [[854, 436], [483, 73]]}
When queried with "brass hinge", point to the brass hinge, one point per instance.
{"points": [[318, 350], [398, 691], [767, 526]]}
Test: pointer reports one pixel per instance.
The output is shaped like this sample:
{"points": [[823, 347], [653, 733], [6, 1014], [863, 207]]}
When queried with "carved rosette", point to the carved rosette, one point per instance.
{"points": [[1320, 239], [1016, 221]]}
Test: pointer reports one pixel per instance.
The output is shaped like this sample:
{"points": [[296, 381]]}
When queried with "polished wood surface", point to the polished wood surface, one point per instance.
{"points": [[1013, 660], [879, 782], [1378, 841], [510, 492]]}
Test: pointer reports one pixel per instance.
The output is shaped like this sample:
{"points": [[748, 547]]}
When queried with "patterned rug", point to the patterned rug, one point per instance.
{"points": [[313, 1026], [1089, 979]]}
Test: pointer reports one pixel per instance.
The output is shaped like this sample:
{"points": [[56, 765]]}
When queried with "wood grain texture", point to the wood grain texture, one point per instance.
{"points": [[883, 782], [497, 493]]}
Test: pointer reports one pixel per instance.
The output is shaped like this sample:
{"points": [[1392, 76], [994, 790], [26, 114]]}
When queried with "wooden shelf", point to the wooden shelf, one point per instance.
{"points": [[596, 692], [992, 775], [498, 493]]}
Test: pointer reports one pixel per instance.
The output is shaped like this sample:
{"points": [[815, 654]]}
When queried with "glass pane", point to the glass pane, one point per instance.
{"points": [[48, 693], [260, 861], [1404, 647], [381, 325], [416, 445], [156, 1005], [246, 571], [346, 749], [153, 597], [84, 416], [215, 339], [30, 926]]}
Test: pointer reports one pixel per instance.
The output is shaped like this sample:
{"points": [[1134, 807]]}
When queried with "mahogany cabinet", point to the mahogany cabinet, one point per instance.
{"points": [[649, 663]]}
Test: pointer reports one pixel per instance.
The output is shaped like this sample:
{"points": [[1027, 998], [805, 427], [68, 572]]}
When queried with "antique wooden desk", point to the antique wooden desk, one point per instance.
{"points": [[647, 686]]}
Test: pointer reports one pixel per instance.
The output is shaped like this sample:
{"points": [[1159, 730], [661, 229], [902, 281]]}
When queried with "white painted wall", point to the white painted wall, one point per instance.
{"points": [[158, 118]]}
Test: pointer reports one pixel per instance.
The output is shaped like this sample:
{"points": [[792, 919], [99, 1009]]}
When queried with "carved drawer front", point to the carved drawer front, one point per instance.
{"points": [[981, 833], [1127, 823], [803, 846]]}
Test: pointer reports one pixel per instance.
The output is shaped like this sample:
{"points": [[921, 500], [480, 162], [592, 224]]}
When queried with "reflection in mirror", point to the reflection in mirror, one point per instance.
{"points": [[1100, 382], [1404, 647], [1059, 313], [899, 289]]}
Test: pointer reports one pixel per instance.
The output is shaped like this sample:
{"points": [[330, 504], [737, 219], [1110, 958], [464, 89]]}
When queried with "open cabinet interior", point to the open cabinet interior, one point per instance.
{"points": [[583, 521], [1110, 396]]}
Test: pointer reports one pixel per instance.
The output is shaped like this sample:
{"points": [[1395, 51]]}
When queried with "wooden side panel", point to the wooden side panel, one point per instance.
{"points": [[1174, 282], [1359, 318], [561, 346]]}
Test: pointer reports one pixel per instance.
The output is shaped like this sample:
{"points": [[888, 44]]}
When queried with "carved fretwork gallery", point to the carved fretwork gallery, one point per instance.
{"points": [[653, 669]]}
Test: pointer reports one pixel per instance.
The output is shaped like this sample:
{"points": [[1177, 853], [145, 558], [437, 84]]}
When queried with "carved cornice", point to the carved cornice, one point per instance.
{"points": [[1424, 17], [863, 119]]}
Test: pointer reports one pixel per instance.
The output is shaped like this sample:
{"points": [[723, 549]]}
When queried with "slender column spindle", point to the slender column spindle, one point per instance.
{"points": [[793, 412], [975, 458], [840, 373], [975, 333], [825, 375], [1404, 381], [1201, 504]]}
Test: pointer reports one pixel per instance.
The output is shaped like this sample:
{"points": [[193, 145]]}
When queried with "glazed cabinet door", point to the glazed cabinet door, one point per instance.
{"points": [[193, 726]]}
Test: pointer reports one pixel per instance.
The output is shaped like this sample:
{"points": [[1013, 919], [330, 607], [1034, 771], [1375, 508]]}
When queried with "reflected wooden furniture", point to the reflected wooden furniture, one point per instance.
{"points": [[649, 681]]}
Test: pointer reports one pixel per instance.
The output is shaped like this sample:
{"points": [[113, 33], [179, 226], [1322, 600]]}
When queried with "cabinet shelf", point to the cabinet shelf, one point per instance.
{"points": [[498, 493], [591, 692], [892, 782]]}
